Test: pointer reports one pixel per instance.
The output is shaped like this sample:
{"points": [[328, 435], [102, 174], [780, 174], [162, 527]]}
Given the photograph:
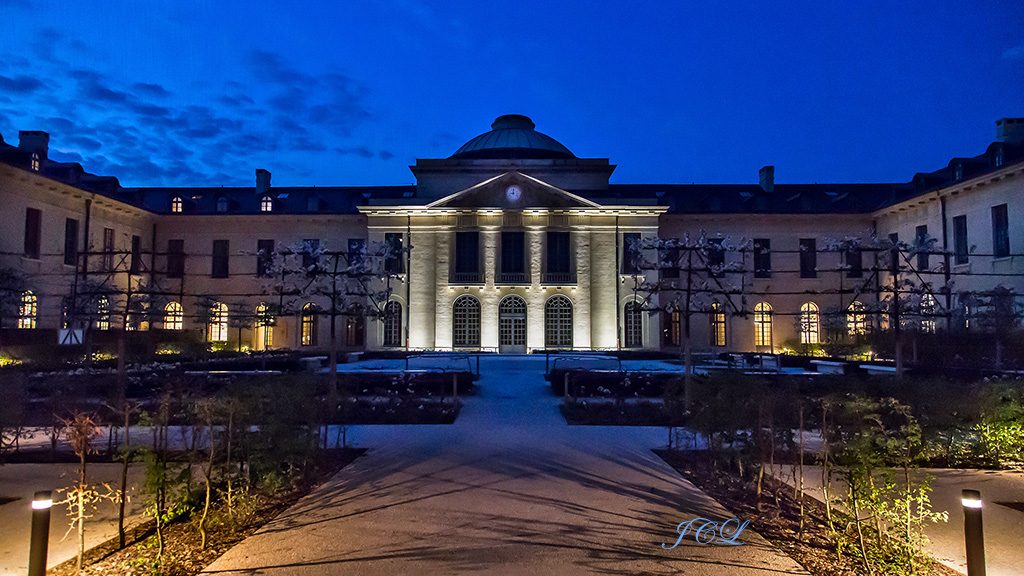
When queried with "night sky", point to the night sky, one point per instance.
{"points": [[351, 93]]}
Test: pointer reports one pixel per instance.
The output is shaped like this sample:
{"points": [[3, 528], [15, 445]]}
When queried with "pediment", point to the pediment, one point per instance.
{"points": [[494, 193]]}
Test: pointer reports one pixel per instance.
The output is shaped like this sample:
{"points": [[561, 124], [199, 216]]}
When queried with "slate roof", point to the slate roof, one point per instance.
{"points": [[513, 136]]}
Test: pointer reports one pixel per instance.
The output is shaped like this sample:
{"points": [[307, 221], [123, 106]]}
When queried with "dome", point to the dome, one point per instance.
{"points": [[513, 136]]}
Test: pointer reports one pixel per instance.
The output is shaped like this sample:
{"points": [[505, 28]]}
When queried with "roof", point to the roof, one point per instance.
{"points": [[513, 136]]}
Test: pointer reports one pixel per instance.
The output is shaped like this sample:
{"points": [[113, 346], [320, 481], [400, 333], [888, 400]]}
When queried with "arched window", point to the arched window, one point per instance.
{"points": [[717, 318], [103, 313], [856, 319], [27, 311], [177, 205], [309, 324], [218, 322], [174, 316], [222, 204], [633, 325], [928, 314], [762, 324], [266, 204], [810, 323], [466, 322], [264, 337], [355, 326], [558, 322], [392, 324], [512, 324]]}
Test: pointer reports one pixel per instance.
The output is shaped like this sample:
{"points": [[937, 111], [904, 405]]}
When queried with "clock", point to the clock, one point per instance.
{"points": [[513, 193]]}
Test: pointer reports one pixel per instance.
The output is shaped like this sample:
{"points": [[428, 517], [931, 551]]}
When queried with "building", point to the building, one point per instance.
{"points": [[512, 244]]}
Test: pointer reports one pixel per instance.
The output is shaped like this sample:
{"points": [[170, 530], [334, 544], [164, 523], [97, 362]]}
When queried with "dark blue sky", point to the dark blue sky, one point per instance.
{"points": [[350, 93]]}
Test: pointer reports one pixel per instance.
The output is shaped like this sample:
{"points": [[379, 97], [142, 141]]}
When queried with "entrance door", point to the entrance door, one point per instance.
{"points": [[512, 325]]}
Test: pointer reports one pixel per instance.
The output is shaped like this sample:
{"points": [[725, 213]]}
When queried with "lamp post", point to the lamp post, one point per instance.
{"points": [[41, 504], [973, 534]]}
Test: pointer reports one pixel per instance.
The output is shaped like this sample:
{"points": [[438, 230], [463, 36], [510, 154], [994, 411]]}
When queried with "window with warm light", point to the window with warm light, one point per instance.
{"points": [[763, 324], [928, 314], [27, 311], [810, 323], [264, 333], [308, 321], [35, 162], [103, 313], [177, 206], [717, 318], [218, 330], [266, 204], [174, 316], [856, 319]]}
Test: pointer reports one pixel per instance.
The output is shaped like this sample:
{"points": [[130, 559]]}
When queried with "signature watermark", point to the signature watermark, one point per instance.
{"points": [[706, 531]]}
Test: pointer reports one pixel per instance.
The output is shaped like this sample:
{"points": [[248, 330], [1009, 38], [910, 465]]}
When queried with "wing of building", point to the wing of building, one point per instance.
{"points": [[511, 244]]}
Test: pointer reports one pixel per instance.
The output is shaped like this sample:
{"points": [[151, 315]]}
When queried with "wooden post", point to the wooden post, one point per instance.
{"points": [[565, 388], [455, 387]]}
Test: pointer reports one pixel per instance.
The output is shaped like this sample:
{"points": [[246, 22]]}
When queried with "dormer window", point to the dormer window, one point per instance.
{"points": [[312, 204], [176, 205], [266, 203], [999, 157], [958, 172], [35, 162], [222, 204]]}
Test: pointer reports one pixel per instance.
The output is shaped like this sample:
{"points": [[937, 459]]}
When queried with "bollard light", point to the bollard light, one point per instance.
{"points": [[41, 504], [974, 536]]}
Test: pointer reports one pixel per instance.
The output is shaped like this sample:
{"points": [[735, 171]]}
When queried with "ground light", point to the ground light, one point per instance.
{"points": [[973, 534], [41, 504]]}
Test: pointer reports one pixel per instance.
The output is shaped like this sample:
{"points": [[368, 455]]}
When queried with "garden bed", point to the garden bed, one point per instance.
{"points": [[778, 519], [601, 413]]}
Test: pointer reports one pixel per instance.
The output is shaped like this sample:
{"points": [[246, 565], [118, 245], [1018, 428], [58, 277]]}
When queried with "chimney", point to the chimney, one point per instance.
{"points": [[262, 181], [1010, 130], [767, 176], [35, 141]]}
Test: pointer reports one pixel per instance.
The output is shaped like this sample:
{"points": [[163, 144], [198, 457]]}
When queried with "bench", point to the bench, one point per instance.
{"points": [[829, 366], [875, 370]]}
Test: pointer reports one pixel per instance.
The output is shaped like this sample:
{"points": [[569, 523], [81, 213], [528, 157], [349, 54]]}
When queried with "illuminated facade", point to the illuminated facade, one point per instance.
{"points": [[515, 245]]}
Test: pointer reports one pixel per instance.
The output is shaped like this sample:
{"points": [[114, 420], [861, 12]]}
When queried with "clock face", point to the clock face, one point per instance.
{"points": [[513, 193]]}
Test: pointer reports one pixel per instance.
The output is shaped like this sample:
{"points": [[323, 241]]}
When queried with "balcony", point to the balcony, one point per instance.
{"points": [[559, 279], [466, 278], [519, 278]]}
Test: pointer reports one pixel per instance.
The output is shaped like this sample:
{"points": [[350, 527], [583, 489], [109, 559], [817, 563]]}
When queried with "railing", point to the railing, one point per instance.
{"points": [[466, 278], [512, 278], [559, 278]]}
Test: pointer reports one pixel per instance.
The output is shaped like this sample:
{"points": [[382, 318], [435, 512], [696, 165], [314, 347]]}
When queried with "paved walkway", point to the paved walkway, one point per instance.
{"points": [[508, 489]]}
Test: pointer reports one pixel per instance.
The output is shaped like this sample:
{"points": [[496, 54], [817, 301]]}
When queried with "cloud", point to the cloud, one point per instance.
{"points": [[1014, 52], [385, 155], [20, 84], [146, 90]]}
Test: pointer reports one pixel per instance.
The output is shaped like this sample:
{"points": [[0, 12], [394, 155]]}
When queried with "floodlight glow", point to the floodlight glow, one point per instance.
{"points": [[971, 502], [42, 504]]}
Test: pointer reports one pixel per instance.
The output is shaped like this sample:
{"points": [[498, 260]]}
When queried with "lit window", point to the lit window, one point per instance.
{"points": [[928, 314], [176, 204], [763, 324], [809, 323], [633, 325], [558, 322], [222, 204], [856, 319], [218, 330], [717, 325], [35, 162], [174, 316], [103, 313], [264, 328], [309, 324], [27, 311], [266, 204]]}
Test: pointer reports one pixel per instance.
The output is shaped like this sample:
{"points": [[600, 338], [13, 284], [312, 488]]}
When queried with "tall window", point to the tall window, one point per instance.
{"points": [[512, 321], [810, 323], [558, 322], [356, 252], [716, 257], [513, 257], [928, 314], [633, 325], [311, 255], [670, 263], [309, 324], [355, 326], [1000, 232], [960, 239], [672, 332], [136, 261], [717, 318], [393, 324], [894, 253], [808, 258], [218, 322], [175, 258], [854, 259], [108, 249], [71, 242], [467, 256], [394, 261], [177, 205], [219, 263], [264, 328], [762, 258], [222, 204], [35, 162], [27, 311], [558, 258], [266, 204], [174, 316], [762, 324], [264, 257], [33, 232], [312, 203], [466, 322], [921, 245], [631, 253], [856, 319], [103, 313]]}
